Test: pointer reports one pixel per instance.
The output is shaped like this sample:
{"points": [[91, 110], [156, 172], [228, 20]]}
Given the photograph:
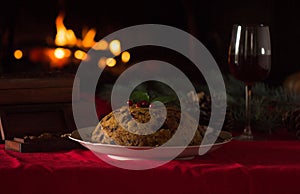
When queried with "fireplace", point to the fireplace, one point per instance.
{"points": [[31, 26], [42, 37]]}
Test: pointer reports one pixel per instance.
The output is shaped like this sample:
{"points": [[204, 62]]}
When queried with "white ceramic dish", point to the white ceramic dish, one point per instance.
{"points": [[131, 152]]}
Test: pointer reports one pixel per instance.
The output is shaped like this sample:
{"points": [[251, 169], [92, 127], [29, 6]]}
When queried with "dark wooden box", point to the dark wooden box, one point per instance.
{"points": [[32, 106]]}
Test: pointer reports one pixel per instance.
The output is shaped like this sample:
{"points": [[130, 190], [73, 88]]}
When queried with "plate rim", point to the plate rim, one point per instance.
{"points": [[149, 147], [127, 156]]}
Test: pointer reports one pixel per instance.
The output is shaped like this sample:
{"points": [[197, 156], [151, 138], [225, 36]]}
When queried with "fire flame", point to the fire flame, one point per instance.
{"points": [[88, 40], [66, 38]]}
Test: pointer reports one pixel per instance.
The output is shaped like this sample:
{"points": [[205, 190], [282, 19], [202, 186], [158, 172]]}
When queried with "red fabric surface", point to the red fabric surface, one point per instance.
{"points": [[264, 167]]}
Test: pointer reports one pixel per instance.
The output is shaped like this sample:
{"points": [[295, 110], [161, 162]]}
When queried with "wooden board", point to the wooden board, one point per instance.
{"points": [[42, 146], [38, 90], [24, 83]]}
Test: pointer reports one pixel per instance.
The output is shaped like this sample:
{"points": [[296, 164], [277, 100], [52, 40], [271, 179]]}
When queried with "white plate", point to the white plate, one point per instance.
{"points": [[119, 153]]}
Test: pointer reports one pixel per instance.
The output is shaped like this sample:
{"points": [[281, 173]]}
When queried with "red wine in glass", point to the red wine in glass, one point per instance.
{"points": [[250, 69], [249, 60]]}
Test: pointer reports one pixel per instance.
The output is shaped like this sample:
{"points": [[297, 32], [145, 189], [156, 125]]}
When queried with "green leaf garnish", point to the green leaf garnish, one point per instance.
{"points": [[137, 96]]}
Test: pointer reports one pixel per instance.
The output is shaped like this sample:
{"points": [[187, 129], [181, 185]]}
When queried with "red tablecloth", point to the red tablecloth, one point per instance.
{"points": [[264, 167]]}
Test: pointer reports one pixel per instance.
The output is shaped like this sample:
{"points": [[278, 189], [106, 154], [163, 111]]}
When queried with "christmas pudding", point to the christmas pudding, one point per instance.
{"points": [[132, 132]]}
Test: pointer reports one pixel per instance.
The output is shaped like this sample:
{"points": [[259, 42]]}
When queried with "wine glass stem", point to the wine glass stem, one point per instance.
{"points": [[247, 130]]}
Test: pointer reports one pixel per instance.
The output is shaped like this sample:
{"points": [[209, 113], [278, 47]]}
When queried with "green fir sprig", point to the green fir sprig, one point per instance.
{"points": [[268, 104]]}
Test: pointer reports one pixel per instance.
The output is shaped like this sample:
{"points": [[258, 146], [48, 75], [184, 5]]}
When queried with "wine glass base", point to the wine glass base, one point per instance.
{"points": [[244, 137], [251, 137]]}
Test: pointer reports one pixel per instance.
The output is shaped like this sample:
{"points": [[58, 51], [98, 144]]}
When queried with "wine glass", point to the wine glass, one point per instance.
{"points": [[249, 60]]}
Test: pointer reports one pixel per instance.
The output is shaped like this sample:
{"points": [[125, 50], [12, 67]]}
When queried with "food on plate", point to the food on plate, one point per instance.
{"points": [[132, 131]]}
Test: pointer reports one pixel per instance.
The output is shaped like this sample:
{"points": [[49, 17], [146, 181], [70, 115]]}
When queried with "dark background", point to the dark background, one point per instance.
{"points": [[33, 22]]}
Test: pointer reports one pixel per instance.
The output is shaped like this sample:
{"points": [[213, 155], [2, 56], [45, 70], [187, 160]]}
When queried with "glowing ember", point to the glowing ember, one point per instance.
{"points": [[125, 57], [102, 62], [58, 57], [59, 53], [101, 45], [115, 47], [18, 54], [110, 62], [81, 55]]}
